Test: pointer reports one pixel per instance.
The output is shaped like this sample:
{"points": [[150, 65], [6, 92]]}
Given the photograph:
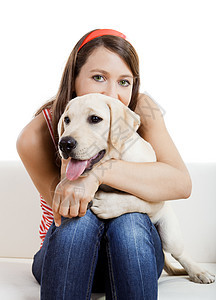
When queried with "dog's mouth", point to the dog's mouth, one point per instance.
{"points": [[76, 168]]}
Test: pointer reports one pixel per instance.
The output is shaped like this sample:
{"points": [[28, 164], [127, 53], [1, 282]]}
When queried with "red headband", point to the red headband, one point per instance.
{"points": [[100, 32]]}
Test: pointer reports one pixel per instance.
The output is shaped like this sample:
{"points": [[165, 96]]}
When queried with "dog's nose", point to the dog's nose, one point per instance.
{"points": [[67, 144]]}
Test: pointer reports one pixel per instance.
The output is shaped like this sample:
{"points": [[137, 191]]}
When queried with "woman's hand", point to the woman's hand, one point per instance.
{"points": [[71, 198]]}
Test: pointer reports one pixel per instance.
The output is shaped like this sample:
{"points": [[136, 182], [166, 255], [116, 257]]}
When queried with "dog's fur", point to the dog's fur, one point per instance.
{"points": [[116, 133]]}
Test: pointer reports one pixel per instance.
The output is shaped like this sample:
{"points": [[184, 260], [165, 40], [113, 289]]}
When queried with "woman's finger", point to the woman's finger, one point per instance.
{"points": [[64, 207], [74, 203], [57, 219], [64, 164], [83, 208], [55, 208]]}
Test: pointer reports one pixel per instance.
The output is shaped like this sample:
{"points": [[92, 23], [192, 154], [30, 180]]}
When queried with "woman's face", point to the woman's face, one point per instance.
{"points": [[106, 73]]}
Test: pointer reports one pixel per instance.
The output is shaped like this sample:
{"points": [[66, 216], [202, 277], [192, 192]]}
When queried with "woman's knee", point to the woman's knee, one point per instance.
{"points": [[130, 228], [75, 235], [134, 235]]}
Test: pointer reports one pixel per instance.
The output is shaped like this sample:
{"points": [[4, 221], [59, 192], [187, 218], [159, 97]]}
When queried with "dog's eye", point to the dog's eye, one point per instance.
{"points": [[66, 120], [94, 119]]}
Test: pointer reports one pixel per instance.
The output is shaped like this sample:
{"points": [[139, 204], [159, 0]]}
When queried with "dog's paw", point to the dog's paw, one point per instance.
{"points": [[106, 205], [203, 277], [102, 212]]}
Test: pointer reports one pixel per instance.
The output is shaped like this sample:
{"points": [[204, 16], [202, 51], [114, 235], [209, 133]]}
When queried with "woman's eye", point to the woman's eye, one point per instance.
{"points": [[66, 120], [124, 82], [98, 78], [94, 119]]}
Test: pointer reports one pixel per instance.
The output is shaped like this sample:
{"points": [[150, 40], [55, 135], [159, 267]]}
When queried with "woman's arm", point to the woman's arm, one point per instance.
{"points": [[166, 179], [37, 152]]}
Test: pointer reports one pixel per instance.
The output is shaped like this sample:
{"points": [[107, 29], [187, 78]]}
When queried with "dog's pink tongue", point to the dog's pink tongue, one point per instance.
{"points": [[75, 168]]}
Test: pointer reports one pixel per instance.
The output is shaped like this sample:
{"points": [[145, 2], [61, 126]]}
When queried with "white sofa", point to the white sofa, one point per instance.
{"points": [[19, 223]]}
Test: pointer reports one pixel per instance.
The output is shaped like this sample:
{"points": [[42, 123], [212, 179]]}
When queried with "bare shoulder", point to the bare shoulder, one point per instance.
{"points": [[34, 144], [38, 154], [33, 135], [151, 117], [153, 130], [149, 111]]}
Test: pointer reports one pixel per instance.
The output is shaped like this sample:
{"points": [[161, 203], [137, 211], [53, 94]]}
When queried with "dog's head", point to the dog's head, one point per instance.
{"points": [[90, 127]]}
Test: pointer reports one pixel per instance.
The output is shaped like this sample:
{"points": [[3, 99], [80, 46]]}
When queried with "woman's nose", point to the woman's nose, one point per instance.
{"points": [[111, 91]]}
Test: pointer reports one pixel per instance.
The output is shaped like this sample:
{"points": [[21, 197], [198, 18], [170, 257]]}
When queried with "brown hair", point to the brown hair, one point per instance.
{"points": [[74, 64]]}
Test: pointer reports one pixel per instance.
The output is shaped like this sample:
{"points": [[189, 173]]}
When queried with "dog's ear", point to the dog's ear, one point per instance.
{"points": [[123, 123], [60, 126]]}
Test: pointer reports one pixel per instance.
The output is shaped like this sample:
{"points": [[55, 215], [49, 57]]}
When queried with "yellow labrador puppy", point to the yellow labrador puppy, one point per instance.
{"points": [[95, 128]]}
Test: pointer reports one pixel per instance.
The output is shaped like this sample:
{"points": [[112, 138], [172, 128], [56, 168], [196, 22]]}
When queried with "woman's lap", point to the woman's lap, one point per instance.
{"points": [[66, 262]]}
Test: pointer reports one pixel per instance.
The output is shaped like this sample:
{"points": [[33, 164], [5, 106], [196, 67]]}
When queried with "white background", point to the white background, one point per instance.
{"points": [[175, 41]]}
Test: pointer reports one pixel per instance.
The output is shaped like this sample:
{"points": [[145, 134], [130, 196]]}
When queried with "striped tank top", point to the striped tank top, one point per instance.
{"points": [[47, 214]]}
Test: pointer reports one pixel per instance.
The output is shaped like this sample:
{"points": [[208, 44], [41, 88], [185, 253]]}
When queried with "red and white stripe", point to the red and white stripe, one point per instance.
{"points": [[46, 219], [47, 214], [48, 117]]}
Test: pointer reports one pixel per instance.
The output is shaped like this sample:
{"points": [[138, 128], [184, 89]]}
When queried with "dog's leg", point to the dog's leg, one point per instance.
{"points": [[195, 272], [108, 205], [170, 233]]}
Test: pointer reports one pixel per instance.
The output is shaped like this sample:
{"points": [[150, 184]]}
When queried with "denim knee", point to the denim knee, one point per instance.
{"points": [[126, 228], [136, 231]]}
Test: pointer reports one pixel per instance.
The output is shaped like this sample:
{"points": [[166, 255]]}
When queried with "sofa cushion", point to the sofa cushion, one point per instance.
{"points": [[17, 283], [20, 218]]}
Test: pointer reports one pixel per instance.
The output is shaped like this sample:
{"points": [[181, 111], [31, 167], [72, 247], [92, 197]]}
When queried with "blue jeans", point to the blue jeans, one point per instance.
{"points": [[127, 251]]}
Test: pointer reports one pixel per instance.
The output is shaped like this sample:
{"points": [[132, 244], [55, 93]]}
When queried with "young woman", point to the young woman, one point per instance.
{"points": [[122, 255]]}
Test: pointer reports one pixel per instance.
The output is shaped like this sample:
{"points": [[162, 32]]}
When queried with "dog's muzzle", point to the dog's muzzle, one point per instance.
{"points": [[67, 144], [76, 167]]}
